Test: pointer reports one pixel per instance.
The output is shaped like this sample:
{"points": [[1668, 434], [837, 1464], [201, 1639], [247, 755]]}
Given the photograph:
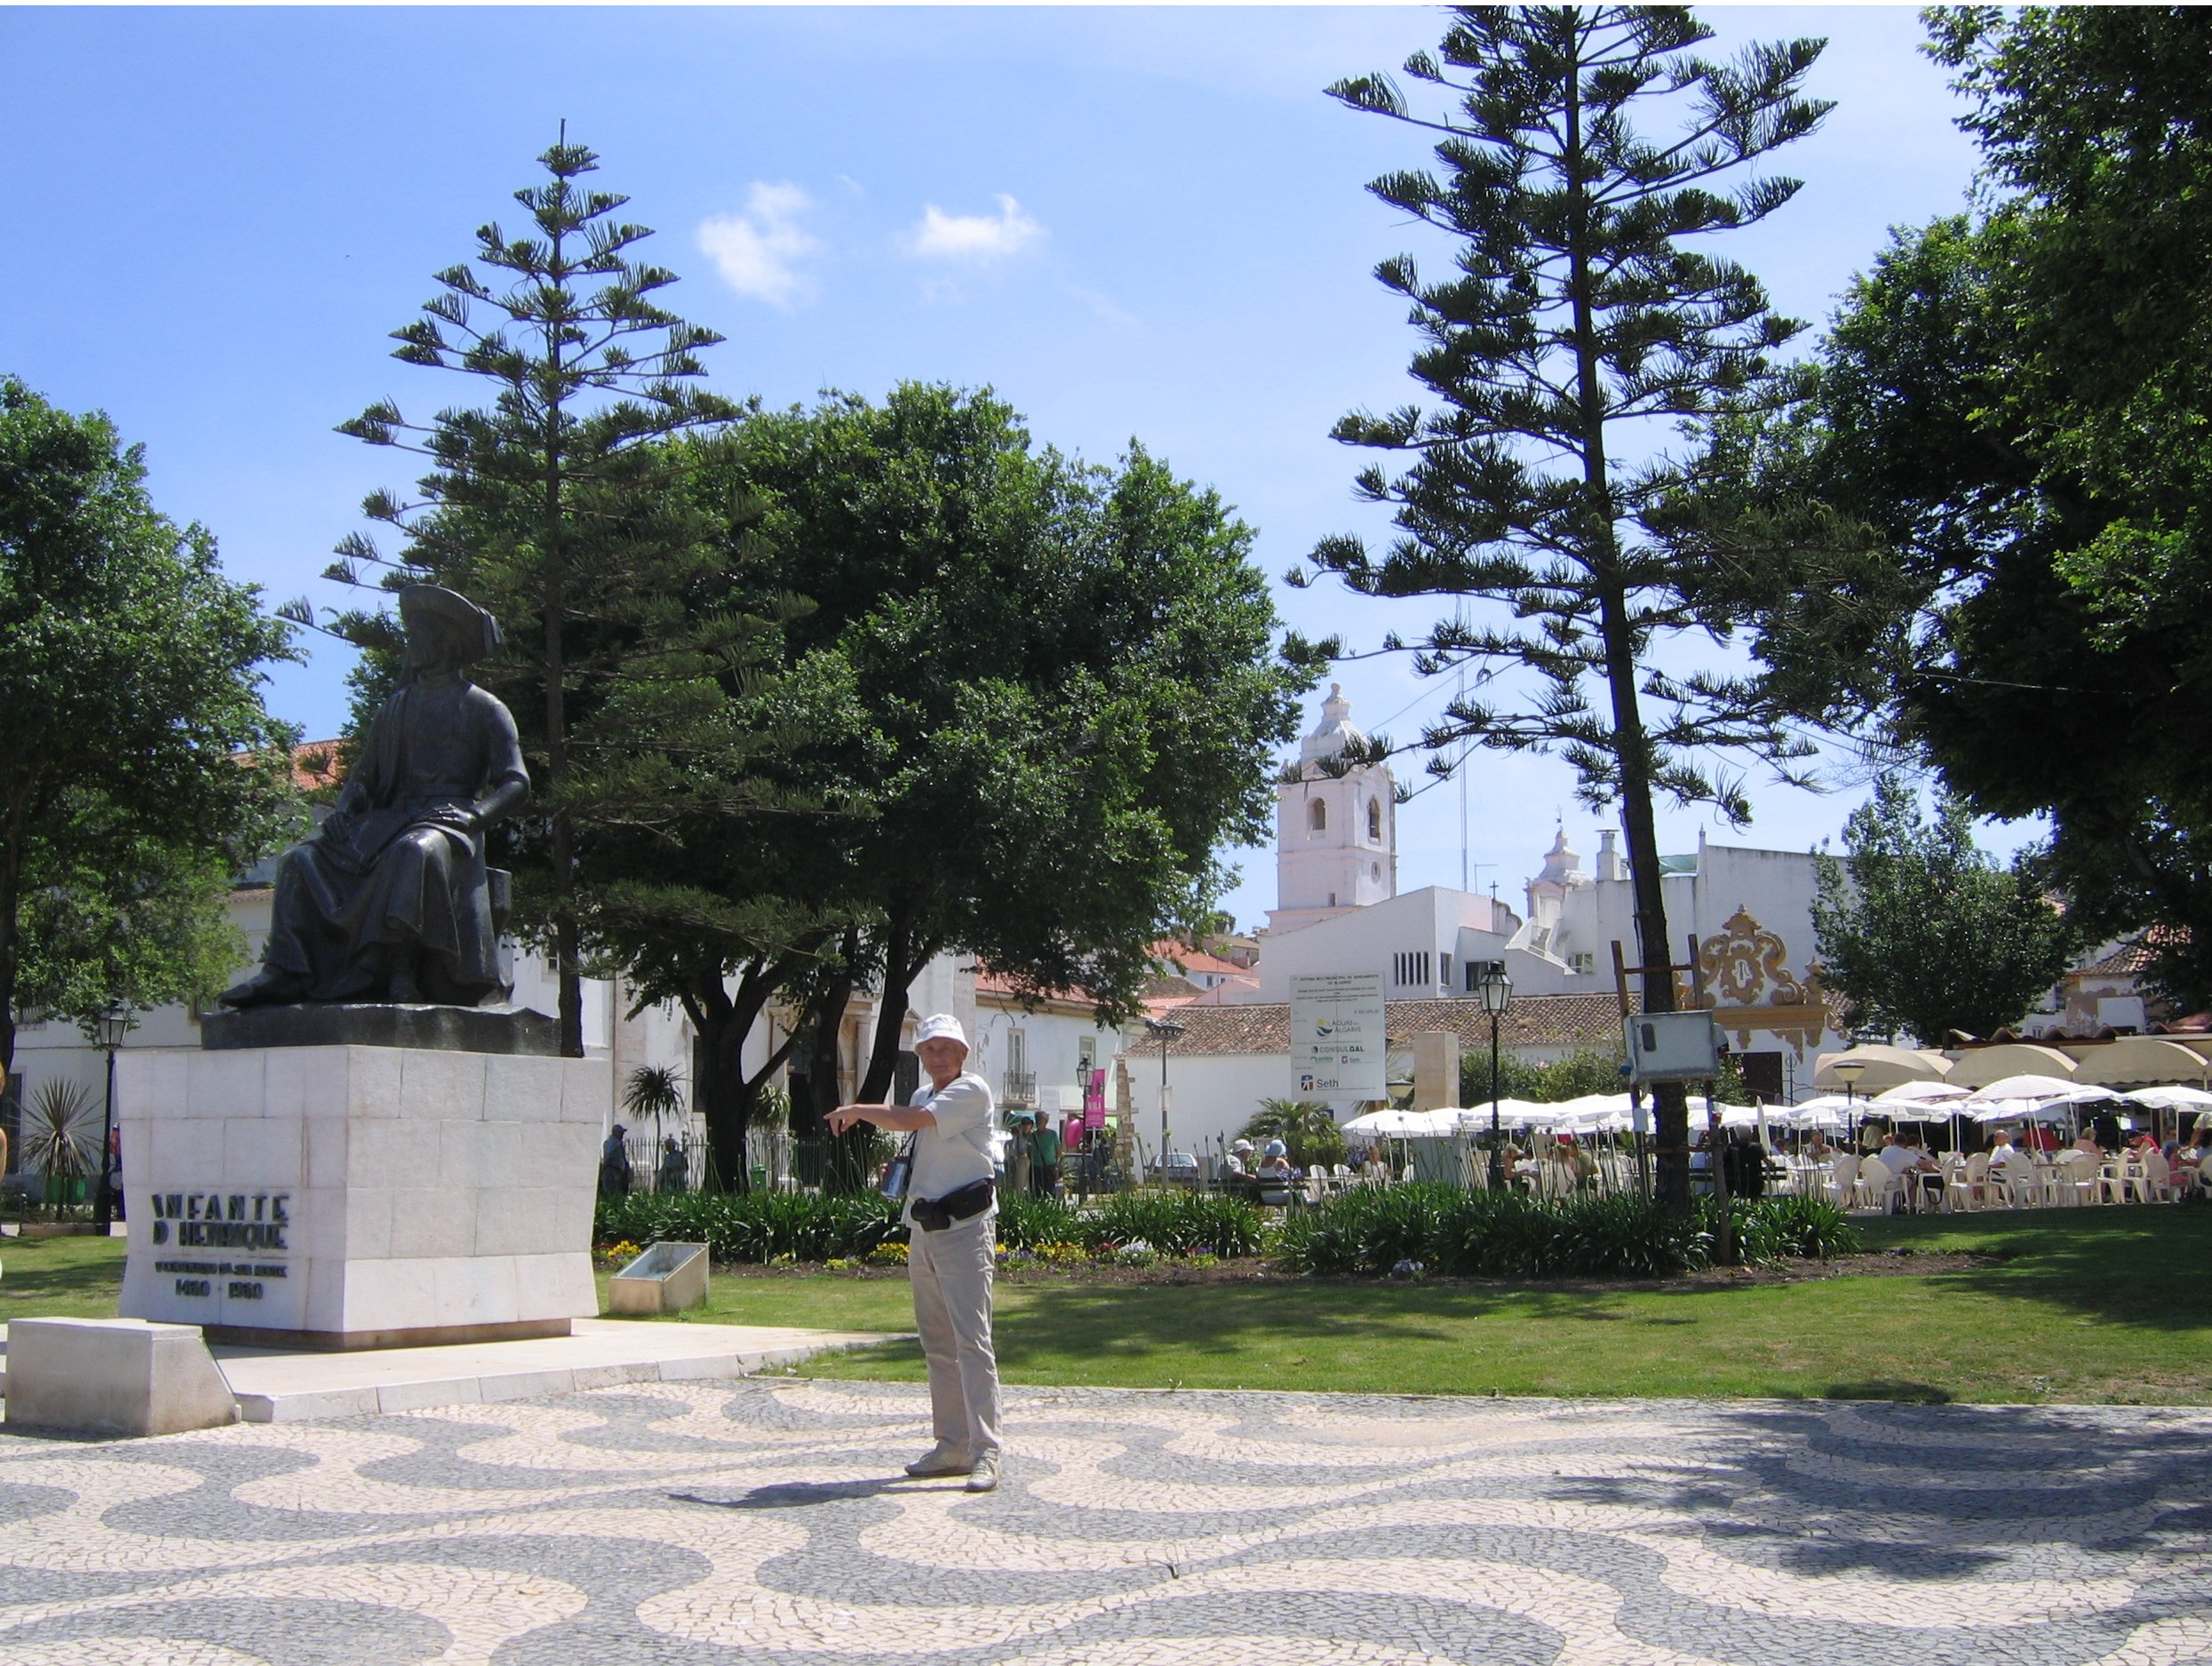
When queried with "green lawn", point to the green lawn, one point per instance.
{"points": [[2089, 1304]]}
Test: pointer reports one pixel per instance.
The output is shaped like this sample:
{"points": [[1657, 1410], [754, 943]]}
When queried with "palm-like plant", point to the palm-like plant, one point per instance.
{"points": [[60, 1135], [1307, 1126], [652, 1090]]}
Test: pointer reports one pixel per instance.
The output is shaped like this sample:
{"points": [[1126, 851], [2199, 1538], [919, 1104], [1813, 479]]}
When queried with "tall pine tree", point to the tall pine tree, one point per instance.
{"points": [[557, 508], [1574, 323]]}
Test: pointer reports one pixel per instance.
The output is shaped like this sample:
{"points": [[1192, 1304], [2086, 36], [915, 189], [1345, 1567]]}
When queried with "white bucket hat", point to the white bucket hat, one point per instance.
{"points": [[941, 1026]]}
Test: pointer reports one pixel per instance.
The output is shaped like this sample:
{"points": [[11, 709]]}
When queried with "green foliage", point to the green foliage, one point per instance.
{"points": [[1486, 1234], [562, 508], [1576, 313], [1042, 693], [652, 1090], [61, 1129], [2016, 408], [1925, 933], [811, 1226], [1307, 1126], [759, 1227], [141, 771], [1581, 1072]]}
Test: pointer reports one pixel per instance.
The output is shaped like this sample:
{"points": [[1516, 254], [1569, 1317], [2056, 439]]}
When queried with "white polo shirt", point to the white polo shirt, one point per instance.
{"points": [[956, 1152]]}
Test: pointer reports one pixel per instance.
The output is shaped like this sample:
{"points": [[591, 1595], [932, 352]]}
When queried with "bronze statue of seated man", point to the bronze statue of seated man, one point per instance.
{"points": [[388, 900]]}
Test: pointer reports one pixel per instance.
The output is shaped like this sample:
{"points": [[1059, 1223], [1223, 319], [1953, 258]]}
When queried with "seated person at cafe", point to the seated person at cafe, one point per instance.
{"points": [[2036, 1138], [1818, 1147], [1902, 1156], [2087, 1145]]}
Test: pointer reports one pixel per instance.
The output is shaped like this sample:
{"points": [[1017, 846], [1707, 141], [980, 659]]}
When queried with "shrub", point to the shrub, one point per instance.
{"points": [[757, 1226], [1487, 1234]]}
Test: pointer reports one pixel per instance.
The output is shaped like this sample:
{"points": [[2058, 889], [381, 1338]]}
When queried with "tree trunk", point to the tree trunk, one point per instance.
{"points": [[903, 961], [723, 1102], [1631, 747], [11, 960]]}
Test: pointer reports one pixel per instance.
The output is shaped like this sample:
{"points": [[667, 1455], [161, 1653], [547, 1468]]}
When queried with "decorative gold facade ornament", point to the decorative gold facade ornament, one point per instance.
{"points": [[1744, 962]]}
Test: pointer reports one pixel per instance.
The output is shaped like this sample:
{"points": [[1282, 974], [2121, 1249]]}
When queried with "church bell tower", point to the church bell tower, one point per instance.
{"points": [[1335, 835]]}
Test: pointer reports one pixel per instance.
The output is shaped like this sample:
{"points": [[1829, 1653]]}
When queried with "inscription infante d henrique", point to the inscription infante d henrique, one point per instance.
{"points": [[216, 1220]]}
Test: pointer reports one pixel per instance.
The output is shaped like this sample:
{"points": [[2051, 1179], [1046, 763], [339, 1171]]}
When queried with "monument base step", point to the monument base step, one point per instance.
{"points": [[360, 1341], [273, 1385]]}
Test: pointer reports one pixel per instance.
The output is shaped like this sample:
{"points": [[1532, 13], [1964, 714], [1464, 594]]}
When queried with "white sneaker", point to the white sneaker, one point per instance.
{"points": [[984, 1476], [944, 1458]]}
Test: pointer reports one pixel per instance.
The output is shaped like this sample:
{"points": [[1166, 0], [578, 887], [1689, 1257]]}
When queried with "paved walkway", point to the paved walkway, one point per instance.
{"points": [[699, 1523]]}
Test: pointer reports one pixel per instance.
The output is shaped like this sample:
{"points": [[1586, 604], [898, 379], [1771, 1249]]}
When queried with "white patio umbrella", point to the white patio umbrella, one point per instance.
{"points": [[1987, 1066], [1826, 1111], [1923, 1093], [2020, 1111], [2039, 1088], [2171, 1098], [1403, 1124]]}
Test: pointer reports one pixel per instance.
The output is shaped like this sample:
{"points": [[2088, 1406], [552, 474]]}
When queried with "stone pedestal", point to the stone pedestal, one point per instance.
{"points": [[360, 1196]]}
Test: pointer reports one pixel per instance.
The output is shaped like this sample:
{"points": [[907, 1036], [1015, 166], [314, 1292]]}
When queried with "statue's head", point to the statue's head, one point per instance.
{"points": [[445, 630]]}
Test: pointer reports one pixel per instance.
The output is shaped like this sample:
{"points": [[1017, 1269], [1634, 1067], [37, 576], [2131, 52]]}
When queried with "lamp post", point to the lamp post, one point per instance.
{"points": [[110, 1026], [1496, 989], [1848, 1069], [1166, 1029]]}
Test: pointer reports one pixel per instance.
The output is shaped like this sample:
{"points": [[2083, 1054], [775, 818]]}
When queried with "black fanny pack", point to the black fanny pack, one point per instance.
{"points": [[933, 1215]]}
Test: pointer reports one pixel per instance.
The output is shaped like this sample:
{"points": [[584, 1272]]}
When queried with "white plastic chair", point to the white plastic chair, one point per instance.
{"points": [[1877, 1187], [1964, 1183], [2073, 1179], [1843, 1179]]}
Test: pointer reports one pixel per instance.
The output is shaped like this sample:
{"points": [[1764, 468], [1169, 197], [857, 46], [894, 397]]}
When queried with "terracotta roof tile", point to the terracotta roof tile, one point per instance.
{"points": [[1591, 1021]]}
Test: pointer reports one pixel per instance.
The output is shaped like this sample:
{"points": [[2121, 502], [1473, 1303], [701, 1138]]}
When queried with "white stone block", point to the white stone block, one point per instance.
{"points": [[477, 1290], [391, 1296], [324, 1150], [114, 1376], [223, 1085], [150, 1082], [520, 1089], [372, 1081], [442, 1087], [262, 1153], [410, 1203], [391, 1151]]}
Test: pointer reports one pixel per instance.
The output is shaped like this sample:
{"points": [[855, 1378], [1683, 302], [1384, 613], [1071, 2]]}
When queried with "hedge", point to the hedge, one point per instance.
{"points": [[1485, 1234], [1479, 1234]]}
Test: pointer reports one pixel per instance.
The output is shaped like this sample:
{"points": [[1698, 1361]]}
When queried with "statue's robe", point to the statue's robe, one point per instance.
{"points": [[383, 873]]}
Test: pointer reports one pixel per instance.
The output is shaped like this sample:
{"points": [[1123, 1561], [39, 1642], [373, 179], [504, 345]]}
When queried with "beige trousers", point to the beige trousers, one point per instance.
{"points": [[951, 1272]]}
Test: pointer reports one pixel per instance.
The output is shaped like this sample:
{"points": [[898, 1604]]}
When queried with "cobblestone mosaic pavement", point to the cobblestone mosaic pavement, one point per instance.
{"points": [[761, 1521]]}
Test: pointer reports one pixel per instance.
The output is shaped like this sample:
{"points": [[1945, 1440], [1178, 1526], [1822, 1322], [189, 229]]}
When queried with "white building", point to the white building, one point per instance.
{"points": [[1744, 916]]}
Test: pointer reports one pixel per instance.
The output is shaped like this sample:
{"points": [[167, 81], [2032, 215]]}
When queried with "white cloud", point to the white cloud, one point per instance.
{"points": [[758, 252], [974, 238]]}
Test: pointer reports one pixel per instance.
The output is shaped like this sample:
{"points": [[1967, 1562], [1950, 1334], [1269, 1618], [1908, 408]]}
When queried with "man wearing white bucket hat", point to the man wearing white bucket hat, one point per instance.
{"points": [[952, 1211]]}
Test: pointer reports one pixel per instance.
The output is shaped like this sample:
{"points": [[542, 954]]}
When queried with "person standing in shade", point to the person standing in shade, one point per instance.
{"points": [[614, 1165], [1018, 1156], [1045, 1159], [675, 1167], [952, 1211]]}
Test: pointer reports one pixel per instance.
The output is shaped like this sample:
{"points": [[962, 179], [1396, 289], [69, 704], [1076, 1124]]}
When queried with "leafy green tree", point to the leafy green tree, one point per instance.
{"points": [[1044, 695], [1923, 934], [140, 770], [1580, 1072], [2012, 408], [557, 508], [1308, 1126], [1576, 316]]}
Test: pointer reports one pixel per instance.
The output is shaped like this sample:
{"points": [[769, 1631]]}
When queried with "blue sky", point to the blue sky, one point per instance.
{"points": [[1136, 222]]}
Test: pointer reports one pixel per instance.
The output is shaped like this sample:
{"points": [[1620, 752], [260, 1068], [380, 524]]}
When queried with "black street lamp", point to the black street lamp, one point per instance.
{"points": [[110, 1027], [1496, 989], [1848, 1069], [1166, 1029]]}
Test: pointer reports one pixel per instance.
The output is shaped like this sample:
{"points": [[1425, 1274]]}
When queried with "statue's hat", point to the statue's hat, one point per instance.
{"points": [[472, 630]]}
